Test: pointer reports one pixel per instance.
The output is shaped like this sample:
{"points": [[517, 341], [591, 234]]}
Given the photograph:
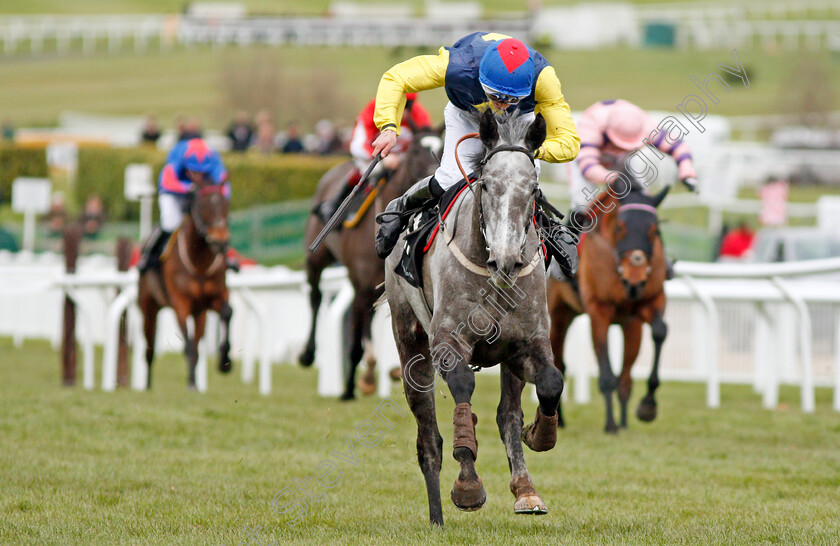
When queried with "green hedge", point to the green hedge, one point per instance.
{"points": [[256, 180], [15, 162]]}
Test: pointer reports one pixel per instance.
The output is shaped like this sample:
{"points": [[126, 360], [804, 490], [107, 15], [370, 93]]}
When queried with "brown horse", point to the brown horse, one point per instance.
{"points": [[191, 279], [354, 247], [621, 281]]}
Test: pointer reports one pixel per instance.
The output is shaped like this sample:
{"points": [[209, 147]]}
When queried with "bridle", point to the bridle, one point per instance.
{"points": [[640, 207], [200, 228], [481, 164], [459, 255]]}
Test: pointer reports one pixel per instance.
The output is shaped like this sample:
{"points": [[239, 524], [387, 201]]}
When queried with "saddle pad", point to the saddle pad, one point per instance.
{"points": [[410, 266]]}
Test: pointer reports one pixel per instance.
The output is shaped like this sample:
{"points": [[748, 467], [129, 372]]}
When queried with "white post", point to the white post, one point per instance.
{"points": [[329, 358], [145, 217], [712, 374], [139, 368], [201, 366], [28, 231], [385, 349], [805, 360], [836, 404], [578, 347], [112, 333], [770, 381]]}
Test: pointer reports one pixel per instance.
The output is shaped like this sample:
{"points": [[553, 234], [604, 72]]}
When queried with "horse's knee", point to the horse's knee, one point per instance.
{"points": [[659, 331], [607, 384]]}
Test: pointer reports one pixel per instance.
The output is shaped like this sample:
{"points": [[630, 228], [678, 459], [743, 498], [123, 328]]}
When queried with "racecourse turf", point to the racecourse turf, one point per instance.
{"points": [[175, 467]]}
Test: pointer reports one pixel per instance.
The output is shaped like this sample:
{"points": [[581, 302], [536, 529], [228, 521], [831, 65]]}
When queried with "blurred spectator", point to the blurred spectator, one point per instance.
{"points": [[737, 243], [57, 216], [240, 132], [93, 216], [329, 143], [188, 128], [264, 140], [8, 130], [293, 143], [151, 130]]}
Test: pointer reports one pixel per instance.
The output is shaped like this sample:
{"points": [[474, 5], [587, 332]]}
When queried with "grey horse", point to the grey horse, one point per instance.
{"points": [[483, 303]]}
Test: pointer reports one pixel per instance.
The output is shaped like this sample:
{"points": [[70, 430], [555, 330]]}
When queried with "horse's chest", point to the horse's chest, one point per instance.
{"points": [[199, 287]]}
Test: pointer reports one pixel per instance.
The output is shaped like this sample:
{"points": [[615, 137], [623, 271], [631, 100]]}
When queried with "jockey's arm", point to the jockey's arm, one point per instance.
{"points": [[419, 73], [681, 153], [170, 183], [562, 142]]}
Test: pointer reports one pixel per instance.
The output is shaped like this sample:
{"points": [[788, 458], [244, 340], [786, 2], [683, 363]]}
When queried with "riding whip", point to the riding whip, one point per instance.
{"points": [[336, 218]]}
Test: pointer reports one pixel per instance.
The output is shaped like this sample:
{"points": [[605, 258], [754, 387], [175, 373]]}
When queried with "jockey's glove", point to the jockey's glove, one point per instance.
{"points": [[690, 182]]}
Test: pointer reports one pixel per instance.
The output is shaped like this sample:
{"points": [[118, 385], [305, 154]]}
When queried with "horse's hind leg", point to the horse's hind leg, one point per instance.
{"points": [[607, 382], [509, 419], [468, 491], [632, 341], [419, 386], [315, 263], [222, 307], [561, 319], [647, 408]]}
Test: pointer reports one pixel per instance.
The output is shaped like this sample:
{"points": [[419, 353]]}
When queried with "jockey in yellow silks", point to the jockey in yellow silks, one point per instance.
{"points": [[480, 71]]}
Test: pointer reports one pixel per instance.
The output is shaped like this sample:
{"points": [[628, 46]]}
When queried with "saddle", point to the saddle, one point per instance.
{"points": [[423, 226]]}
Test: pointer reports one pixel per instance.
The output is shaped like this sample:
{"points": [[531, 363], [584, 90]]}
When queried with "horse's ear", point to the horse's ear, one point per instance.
{"points": [[488, 129], [536, 133], [657, 199]]}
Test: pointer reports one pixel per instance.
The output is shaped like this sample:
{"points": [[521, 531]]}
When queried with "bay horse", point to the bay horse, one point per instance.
{"points": [[621, 280], [353, 247], [483, 302], [191, 279]]}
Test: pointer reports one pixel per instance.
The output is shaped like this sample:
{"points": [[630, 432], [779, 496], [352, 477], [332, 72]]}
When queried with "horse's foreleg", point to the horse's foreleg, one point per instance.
{"points": [[607, 382], [509, 420], [222, 307], [358, 313], [632, 340], [659, 330], [190, 347], [150, 311], [313, 278], [538, 368], [452, 361]]}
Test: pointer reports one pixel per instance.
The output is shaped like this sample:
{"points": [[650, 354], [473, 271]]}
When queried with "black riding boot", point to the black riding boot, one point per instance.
{"points": [[330, 206], [393, 221], [150, 258]]}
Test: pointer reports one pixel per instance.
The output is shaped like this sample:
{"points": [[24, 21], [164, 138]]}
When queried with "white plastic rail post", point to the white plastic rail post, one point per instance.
{"points": [[804, 344], [112, 333], [712, 372], [330, 333], [766, 359], [836, 404]]}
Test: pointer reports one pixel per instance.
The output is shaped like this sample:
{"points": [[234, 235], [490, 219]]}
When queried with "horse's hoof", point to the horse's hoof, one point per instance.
{"points": [[367, 385], [192, 388], [611, 429], [541, 435], [646, 411], [468, 495], [530, 504], [225, 366], [306, 358], [347, 396], [395, 374]]}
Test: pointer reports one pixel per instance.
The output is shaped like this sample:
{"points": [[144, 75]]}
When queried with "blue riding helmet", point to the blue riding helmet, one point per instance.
{"points": [[199, 157], [506, 68]]}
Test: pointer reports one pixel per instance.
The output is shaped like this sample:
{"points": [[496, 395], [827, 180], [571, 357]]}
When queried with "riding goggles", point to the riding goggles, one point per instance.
{"points": [[496, 96]]}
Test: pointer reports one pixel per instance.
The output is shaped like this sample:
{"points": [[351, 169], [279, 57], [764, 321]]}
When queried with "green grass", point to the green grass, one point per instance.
{"points": [[171, 467]]}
